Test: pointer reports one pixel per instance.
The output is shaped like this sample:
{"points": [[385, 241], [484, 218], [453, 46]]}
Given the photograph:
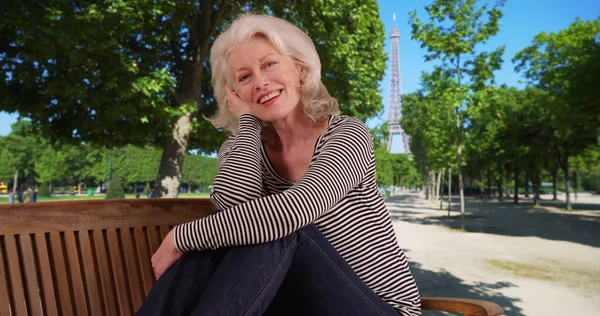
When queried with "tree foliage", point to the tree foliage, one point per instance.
{"points": [[115, 188], [392, 169], [137, 72], [452, 37], [565, 65], [65, 163]]}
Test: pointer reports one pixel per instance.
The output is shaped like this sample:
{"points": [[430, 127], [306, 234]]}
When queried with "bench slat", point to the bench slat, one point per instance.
{"points": [[117, 265], [46, 275], [89, 269], [14, 269], [43, 217], [75, 273], [33, 295], [85, 257], [153, 239], [108, 293], [62, 281], [164, 230], [4, 290], [135, 286], [142, 248]]}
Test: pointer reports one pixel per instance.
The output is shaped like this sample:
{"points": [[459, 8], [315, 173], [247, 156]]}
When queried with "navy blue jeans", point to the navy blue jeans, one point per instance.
{"points": [[300, 274]]}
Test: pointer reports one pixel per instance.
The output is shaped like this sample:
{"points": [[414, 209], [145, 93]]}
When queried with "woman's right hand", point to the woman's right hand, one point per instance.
{"points": [[237, 106]]}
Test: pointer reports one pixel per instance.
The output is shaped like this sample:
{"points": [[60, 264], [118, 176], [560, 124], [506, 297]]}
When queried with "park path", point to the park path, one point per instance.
{"points": [[529, 261]]}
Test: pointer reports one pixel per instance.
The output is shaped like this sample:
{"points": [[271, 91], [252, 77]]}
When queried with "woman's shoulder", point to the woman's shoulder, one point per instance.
{"points": [[345, 124], [348, 132]]}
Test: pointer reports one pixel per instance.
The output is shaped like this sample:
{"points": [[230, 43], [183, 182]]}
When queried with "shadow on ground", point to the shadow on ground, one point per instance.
{"points": [[444, 284], [576, 206], [504, 218]]}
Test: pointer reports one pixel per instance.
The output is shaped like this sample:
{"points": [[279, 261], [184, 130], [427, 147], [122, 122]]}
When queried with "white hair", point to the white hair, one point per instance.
{"points": [[291, 42]]}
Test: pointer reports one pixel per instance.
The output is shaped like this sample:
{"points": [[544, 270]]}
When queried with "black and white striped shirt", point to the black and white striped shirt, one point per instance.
{"points": [[338, 194]]}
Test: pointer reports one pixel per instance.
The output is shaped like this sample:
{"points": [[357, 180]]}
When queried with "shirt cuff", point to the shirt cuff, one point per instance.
{"points": [[248, 120], [183, 237]]}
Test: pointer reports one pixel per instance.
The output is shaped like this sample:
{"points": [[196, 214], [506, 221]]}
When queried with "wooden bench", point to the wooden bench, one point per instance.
{"points": [[93, 257]]}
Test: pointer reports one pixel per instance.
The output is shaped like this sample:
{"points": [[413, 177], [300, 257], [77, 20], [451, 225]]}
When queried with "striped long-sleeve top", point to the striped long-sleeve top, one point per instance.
{"points": [[338, 194]]}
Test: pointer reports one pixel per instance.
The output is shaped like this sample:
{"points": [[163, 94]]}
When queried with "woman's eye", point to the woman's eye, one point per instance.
{"points": [[243, 78], [271, 63]]}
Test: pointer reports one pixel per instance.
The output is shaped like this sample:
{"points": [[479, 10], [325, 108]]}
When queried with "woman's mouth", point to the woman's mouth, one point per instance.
{"points": [[270, 98]]}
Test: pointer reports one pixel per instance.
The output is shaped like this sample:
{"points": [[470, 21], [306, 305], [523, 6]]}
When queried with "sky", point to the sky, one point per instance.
{"points": [[523, 19]]}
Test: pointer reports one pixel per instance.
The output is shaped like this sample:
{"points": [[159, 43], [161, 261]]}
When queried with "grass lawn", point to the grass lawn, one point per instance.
{"points": [[4, 198]]}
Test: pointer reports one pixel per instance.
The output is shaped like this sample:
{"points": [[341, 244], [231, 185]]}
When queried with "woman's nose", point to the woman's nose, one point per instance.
{"points": [[261, 81]]}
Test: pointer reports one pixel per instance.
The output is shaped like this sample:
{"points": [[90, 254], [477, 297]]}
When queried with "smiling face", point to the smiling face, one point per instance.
{"points": [[265, 78]]}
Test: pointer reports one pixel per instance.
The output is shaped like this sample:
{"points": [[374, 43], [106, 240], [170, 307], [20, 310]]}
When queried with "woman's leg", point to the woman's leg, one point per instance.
{"points": [[244, 281], [320, 282], [229, 281], [179, 289]]}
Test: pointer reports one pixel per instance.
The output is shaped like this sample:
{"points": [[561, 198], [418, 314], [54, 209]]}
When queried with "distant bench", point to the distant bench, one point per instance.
{"points": [[93, 257]]}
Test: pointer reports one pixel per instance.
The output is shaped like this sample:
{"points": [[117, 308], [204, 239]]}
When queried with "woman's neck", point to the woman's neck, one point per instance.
{"points": [[296, 129]]}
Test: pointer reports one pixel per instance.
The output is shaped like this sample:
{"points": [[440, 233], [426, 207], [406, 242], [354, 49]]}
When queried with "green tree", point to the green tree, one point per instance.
{"points": [[565, 65], [7, 171], [591, 162], [44, 189], [20, 151], [51, 166], [192, 170], [429, 123], [135, 164], [115, 188], [452, 37], [209, 172], [383, 159], [147, 188], [136, 72]]}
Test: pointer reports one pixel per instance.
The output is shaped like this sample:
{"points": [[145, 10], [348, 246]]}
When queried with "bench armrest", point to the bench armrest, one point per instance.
{"points": [[463, 306]]}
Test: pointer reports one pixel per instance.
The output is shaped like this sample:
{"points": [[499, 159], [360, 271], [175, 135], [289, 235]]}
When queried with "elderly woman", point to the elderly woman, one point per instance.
{"points": [[302, 228]]}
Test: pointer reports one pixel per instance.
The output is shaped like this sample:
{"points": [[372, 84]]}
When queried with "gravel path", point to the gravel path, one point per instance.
{"points": [[530, 261]]}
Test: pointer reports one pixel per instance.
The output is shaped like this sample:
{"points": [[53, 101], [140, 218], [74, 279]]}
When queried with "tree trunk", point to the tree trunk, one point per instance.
{"points": [[171, 163], [430, 185], [189, 91], [538, 181], [15, 186], [459, 171], [481, 188], [500, 186], [565, 167], [536, 188], [426, 186], [440, 193], [189, 187], [489, 184], [439, 185], [433, 191], [527, 184], [449, 189], [554, 170], [575, 184], [516, 194]]}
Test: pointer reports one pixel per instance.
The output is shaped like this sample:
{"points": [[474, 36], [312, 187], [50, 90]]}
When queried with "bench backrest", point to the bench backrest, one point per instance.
{"points": [[84, 257]]}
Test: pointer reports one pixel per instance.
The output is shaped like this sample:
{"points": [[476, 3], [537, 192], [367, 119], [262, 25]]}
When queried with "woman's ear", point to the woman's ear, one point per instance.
{"points": [[303, 72]]}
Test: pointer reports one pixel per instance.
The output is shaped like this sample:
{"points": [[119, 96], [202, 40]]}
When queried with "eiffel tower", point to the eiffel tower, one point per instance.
{"points": [[395, 102]]}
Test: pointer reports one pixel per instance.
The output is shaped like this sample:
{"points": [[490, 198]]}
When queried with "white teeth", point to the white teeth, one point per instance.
{"points": [[268, 97]]}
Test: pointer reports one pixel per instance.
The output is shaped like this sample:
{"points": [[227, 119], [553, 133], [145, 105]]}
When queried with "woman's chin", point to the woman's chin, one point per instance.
{"points": [[274, 115]]}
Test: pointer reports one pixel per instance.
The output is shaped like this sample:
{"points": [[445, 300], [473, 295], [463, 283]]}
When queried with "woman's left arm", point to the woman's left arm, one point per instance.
{"points": [[340, 167]]}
